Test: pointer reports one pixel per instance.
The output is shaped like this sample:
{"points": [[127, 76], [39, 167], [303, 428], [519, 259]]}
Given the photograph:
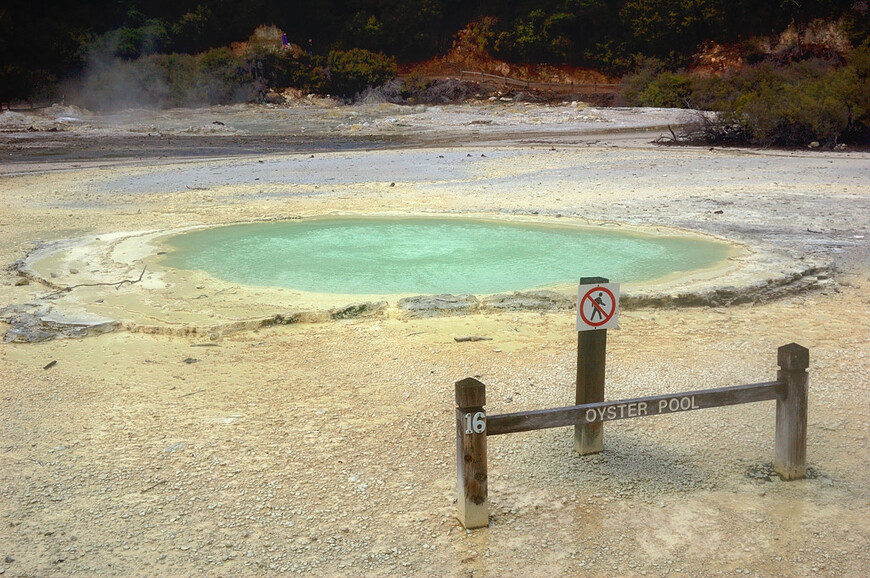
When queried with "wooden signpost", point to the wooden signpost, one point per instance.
{"points": [[596, 311], [473, 426]]}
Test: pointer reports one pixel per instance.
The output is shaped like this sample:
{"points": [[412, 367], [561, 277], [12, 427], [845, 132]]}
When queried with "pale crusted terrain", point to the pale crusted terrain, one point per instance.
{"points": [[328, 448]]}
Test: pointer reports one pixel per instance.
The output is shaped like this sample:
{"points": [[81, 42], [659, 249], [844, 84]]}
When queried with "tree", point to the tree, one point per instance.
{"points": [[672, 29]]}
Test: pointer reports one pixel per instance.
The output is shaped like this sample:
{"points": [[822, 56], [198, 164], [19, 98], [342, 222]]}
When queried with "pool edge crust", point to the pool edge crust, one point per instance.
{"points": [[815, 277], [40, 321], [161, 301]]}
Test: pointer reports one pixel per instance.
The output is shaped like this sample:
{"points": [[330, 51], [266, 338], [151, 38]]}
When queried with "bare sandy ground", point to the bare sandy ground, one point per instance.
{"points": [[182, 445]]}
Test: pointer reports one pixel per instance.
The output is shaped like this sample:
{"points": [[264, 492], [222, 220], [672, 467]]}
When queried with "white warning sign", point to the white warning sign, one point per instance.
{"points": [[598, 307]]}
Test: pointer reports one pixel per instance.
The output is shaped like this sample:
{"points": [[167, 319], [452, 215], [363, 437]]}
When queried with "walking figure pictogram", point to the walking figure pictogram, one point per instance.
{"points": [[597, 310], [597, 306]]}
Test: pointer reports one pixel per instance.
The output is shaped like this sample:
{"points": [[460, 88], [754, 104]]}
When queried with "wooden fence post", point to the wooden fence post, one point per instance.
{"points": [[471, 453], [791, 412], [591, 354]]}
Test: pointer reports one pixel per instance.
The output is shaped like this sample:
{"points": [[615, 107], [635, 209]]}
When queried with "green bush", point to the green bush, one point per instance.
{"points": [[669, 90], [286, 68], [647, 70], [415, 84], [768, 105], [803, 102], [181, 71], [350, 72], [855, 78], [225, 78]]}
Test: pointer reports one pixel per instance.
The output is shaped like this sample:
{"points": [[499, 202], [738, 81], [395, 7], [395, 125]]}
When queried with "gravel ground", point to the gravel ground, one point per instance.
{"points": [[328, 448]]}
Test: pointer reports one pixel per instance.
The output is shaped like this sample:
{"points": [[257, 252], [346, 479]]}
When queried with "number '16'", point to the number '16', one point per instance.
{"points": [[475, 423]]}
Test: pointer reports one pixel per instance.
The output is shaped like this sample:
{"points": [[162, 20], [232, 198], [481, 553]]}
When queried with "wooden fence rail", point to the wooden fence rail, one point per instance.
{"points": [[632, 408], [473, 426], [553, 86]]}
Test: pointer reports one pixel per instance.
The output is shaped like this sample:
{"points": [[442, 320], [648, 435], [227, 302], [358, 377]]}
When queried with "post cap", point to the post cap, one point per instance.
{"points": [[793, 357], [470, 393]]}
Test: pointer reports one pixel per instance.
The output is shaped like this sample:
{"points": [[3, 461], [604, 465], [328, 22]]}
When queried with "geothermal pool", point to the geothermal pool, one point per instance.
{"points": [[387, 256]]}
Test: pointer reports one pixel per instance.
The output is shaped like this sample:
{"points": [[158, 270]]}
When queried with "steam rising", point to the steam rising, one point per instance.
{"points": [[161, 81]]}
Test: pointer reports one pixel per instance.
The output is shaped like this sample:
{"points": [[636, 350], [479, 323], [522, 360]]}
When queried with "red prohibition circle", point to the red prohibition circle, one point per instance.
{"points": [[605, 316]]}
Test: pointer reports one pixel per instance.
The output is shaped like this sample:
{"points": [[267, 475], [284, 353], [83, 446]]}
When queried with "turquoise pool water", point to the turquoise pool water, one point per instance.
{"points": [[385, 256]]}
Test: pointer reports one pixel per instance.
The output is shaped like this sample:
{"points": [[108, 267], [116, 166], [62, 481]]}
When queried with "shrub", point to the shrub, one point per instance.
{"points": [[350, 72], [291, 68], [670, 89], [225, 78], [414, 84], [633, 85], [855, 77], [477, 38], [793, 105], [797, 104], [825, 100]]}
